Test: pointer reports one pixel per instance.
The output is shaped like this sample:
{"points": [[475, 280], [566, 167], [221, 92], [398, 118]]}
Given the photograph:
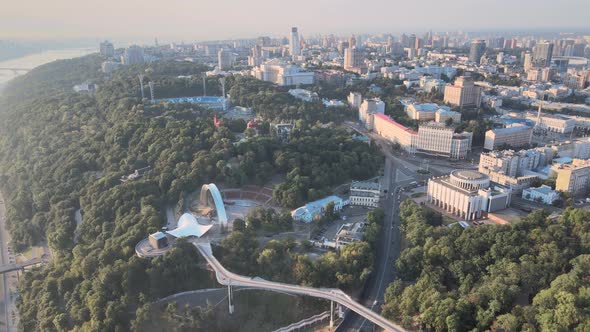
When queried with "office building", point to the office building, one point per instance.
{"points": [[542, 53], [572, 178], [467, 194], [225, 59], [463, 93], [294, 46], [365, 193], [368, 108], [513, 137], [316, 209], [107, 49], [282, 74], [477, 50], [543, 194], [133, 55], [353, 60]]}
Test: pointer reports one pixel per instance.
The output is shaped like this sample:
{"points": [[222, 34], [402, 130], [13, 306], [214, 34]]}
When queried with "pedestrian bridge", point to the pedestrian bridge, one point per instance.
{"points": [[230, 279]]}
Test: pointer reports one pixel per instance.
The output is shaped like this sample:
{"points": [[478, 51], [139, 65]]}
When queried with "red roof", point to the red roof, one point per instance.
{"points": [[390, 120]]}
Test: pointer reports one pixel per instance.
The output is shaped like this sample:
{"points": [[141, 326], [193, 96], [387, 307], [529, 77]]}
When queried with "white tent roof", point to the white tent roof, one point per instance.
{"points": [[189, 226]]}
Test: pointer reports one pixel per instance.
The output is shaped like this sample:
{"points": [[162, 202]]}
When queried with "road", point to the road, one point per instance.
{"points": [[387, 253], [228, 278], [6, 301]]}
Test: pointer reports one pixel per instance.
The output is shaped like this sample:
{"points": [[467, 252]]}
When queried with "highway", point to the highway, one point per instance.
{"points": [[228, 278]]}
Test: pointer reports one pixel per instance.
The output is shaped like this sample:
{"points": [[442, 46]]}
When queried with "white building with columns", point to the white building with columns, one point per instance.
{"points": [[467, 194]]}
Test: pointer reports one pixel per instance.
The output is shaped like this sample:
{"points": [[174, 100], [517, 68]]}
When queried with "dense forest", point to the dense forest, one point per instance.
{"points": [[529, 276], [61, 151]]}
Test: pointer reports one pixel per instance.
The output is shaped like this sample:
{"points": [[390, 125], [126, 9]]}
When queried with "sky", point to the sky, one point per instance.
{"points": [[195, 20]]}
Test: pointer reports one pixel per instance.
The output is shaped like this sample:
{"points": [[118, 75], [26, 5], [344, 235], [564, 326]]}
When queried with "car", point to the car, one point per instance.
{"points": [[375, 303]]}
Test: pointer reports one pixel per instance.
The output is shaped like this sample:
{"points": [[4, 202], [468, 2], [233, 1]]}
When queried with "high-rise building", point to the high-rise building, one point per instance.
{"points": [[412, 41], [294, 43], [527, 61], [225, 59], [542, 53], [133, 55], [355, 99], [107, 49], [352, 41], [353, 60], [477, 50], [463, 93]]}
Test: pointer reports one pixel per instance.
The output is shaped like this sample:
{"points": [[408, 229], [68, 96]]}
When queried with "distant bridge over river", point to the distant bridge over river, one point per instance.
{"points": [[15, 70]]}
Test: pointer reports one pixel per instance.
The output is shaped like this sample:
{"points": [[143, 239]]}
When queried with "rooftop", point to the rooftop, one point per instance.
{"points": [[366, 185], [544, 189], [390, 120]]}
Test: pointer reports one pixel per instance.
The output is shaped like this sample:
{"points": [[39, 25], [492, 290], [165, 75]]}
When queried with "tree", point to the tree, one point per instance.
{"points": [[330, 211]]}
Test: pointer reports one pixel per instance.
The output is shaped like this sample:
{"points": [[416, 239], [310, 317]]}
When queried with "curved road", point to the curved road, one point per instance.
{"points": [[228, 278]]}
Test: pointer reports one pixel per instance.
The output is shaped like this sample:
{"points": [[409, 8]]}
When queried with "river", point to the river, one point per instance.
{"points": [[34, 60]]}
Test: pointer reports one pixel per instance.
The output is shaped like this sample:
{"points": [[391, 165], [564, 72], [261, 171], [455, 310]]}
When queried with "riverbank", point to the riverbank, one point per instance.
{"points": [[31, 61]]}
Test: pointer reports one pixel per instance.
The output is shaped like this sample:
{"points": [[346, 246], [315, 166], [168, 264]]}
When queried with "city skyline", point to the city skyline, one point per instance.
{"points": [[207, 20]]}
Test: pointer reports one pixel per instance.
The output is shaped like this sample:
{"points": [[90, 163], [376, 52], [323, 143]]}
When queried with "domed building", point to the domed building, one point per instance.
{"points": [[467, 194]]}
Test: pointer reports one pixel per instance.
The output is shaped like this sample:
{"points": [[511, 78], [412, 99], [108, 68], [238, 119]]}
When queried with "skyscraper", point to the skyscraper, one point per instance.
{"points": [[477, 50], [107, 49], [294, 43], [542, 54], [412, 41]]}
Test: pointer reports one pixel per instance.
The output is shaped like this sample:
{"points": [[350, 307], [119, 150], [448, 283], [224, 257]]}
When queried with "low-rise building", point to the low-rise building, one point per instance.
{"points": [[350, 233], [316, 209], [282, 74], [467, 194], [424, 112], [305, 95], [543, 194], [365, 193], [442, 116], [514, 137]]}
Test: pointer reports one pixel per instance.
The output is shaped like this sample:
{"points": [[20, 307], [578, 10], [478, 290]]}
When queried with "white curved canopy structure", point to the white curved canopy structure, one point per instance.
{"points": [[217, 199], [189, 226]]}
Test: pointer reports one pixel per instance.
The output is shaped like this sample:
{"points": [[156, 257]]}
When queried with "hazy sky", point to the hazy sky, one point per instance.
{"points": [[190, 20]]}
